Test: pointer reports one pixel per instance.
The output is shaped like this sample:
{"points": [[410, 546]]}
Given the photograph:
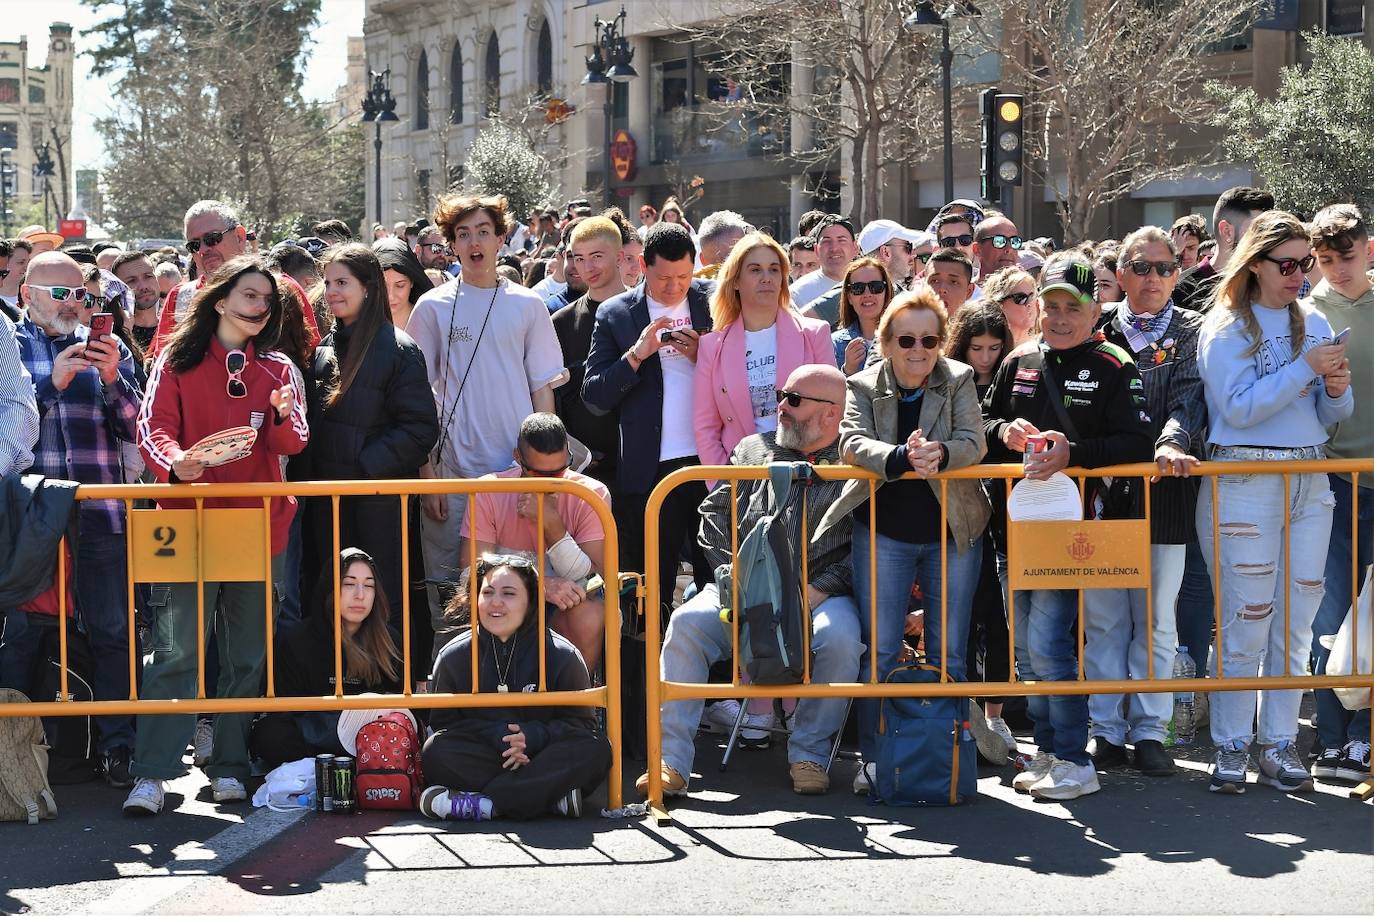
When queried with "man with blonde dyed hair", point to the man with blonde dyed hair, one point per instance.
{"points": [[594, 250]]}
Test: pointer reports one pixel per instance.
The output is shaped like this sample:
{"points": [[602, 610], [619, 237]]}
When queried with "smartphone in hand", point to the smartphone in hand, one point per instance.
{"points": [[1341, 337], [102, 325]]}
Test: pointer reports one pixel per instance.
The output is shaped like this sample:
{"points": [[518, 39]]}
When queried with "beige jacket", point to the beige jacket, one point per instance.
{"points": [[950, 414]]}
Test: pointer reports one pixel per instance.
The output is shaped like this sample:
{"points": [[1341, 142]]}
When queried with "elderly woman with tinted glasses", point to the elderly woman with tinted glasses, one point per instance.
{"points": [[913, 411]]}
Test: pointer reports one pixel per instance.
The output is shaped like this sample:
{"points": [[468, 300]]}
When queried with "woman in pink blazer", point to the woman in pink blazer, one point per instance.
{"points": [[757, 339]]}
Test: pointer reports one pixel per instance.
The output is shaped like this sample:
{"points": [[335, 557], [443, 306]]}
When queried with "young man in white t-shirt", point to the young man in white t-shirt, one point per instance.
{"points": [[492, 359], [641, 364]]}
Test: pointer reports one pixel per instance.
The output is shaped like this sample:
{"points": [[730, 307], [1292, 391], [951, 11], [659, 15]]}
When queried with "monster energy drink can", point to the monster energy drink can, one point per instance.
{"points": [[345, 774], [324, 782]]}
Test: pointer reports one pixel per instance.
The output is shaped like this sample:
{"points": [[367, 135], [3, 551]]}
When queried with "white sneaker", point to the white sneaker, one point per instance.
{"points": [[864, 779], [203, 744], [991, 747], [719, 718], [1035, 771], [145, 797], [227, 789], [755, 734], [998, 726], [1067, 780]]}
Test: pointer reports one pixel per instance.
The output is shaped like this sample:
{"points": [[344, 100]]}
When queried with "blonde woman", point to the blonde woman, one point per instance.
{"points": [[1013, 290], [756, 341], [1275, 382]]}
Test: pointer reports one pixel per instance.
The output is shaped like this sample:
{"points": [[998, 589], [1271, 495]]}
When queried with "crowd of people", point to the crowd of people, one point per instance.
{"points": [[576, 345]]}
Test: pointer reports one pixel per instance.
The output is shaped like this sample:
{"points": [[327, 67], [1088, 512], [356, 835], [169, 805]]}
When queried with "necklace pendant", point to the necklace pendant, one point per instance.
{"points": [[502, 688]]}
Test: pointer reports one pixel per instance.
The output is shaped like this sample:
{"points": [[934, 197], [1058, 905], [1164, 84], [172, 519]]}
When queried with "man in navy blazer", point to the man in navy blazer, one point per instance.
{"points": [[643, 354]]}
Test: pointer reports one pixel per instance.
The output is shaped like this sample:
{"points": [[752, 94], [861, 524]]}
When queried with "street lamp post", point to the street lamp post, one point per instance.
{"points": [[44, 164], [5, 167], [379, 106], [610, 62], [927, 16]]}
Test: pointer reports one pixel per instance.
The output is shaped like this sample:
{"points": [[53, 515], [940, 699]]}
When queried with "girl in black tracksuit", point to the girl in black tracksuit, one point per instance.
{"points": [[520, 761]]}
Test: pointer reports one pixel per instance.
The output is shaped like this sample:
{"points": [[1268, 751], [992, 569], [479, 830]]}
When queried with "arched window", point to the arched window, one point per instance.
{"points": [[422, 92], [455, 86], [543, 62], [492, 78]]}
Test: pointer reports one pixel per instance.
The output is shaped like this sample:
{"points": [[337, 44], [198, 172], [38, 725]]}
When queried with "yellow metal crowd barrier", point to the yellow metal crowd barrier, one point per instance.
{"points": [[209, 545], [1116, 537]]}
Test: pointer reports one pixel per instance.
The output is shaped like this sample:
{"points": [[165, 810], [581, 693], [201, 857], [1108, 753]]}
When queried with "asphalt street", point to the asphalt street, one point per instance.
{"points": [[743, 842]]}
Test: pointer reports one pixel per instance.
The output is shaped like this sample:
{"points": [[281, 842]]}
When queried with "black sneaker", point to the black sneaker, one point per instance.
{"points": [[1152, 760], [1354, 762], [114, 766], [1327, 765], [1108, 756]]}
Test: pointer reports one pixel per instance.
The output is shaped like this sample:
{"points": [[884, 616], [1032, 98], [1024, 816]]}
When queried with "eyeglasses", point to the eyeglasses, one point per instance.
{"points": [[962, 241], [873, 286], [1163, 268], [63, 293], [209, 240], [1288, 265], [4, 272], [1018, 298], [437, 247], [1002, 241], [927, 341], [923, 256], [235, 361], [531, 471], [794, 398], [95, 302]]}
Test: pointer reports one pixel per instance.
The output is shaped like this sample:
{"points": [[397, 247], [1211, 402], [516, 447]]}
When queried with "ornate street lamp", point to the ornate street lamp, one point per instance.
{"points": [[610, 61], [379, 106], [43, 165]]}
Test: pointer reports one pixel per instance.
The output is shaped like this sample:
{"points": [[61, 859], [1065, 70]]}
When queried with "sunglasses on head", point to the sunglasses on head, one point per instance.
{"points": [[926, 341], [873, 286], [1288, 265], [962, 241], [1002, 241], [208, 240], [1018, 298], [63, 293], [235, 361], [1142, 268], [794, 398]]}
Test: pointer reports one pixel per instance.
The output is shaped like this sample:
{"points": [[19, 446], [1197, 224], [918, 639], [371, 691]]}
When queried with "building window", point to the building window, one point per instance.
{"points": [[1345, 17], [9, 134], [422, 92], [9, 92], [543, 62], [491, 88], [455, 86], [37, 95], [422, 189]]}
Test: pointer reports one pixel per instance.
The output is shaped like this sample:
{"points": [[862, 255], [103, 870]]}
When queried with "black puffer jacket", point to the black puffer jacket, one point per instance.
{"points": [[565, 670], [385, 424]]}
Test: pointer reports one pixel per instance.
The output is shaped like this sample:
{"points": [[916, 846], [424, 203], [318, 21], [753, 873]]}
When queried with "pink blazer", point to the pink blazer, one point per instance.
{"points": [[721, 410]]}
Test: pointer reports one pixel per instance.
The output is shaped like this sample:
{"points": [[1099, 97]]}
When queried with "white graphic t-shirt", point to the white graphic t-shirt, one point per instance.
{"points": [[761, 365], [678, 439]]}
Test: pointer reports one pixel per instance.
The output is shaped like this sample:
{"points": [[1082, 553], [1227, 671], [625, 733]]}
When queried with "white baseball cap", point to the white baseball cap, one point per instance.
{"points": [[881, 231]]}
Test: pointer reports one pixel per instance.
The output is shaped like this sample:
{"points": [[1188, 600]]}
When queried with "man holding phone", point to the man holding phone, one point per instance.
{"points": [[88, 401]]}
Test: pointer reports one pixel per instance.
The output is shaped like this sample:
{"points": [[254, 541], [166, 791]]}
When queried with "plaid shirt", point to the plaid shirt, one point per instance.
{"points": [[80, 428]]}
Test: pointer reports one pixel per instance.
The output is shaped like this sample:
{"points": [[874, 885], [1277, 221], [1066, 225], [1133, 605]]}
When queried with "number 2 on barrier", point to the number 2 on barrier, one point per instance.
{"points": [[164, 544]]}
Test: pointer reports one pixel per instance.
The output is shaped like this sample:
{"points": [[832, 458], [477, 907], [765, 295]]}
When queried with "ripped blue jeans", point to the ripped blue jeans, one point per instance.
{"points": [[1255, 588]]}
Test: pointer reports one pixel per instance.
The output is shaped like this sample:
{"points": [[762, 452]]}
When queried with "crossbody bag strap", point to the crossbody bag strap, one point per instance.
{"points": [[1057, 398]]}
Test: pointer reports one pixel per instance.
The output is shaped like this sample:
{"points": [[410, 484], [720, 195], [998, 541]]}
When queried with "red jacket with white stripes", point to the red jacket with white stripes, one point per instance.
{"points": [[180, 409]]}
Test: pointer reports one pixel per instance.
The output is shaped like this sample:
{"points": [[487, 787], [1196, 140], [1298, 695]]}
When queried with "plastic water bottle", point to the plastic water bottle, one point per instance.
{"points": [[306, 800], [1183, 726]]}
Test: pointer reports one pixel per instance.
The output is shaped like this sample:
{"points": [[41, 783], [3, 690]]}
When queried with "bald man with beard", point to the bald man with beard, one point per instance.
{"points": [[88, 400]]}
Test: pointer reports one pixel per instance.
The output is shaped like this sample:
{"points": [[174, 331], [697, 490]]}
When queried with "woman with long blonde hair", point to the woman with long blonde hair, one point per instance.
{"points": [[1275, 381]]}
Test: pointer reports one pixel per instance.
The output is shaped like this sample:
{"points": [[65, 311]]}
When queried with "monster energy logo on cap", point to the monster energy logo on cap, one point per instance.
{"points": [[1072, 275]]}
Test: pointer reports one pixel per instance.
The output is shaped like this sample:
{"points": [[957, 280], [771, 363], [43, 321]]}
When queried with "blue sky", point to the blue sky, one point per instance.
{"points": [[324, 72]]}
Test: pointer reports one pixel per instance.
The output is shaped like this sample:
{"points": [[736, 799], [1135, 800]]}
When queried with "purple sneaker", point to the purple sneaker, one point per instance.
{"points": [[441, 804]]}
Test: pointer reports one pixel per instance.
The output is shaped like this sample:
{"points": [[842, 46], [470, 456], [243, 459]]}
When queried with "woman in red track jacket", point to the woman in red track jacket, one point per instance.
{"points": [[219, 371]]}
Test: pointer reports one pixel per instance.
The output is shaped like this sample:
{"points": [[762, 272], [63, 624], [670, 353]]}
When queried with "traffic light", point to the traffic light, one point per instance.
{"points": [[1008, 117], [9, 174], [988, 145]]}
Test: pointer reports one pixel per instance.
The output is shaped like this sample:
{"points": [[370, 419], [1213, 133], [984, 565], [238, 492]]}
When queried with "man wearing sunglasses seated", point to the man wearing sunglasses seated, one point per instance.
{"points": [[1162, 339], [88, 397], [214, 236], [810, 406], [574, 542]]}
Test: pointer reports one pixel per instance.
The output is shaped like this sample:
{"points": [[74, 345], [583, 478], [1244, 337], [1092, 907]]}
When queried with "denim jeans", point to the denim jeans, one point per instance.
{"points": [[102, 606], [1337, 725], [1046, 651], [696, 639], [1116, 644], [1255, 590], [235, 612], [1196, 610], [289, 586], [899, 565]]}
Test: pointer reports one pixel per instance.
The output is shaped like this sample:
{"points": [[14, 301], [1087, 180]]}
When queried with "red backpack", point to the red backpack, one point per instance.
{"points": [[389, 770]]}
